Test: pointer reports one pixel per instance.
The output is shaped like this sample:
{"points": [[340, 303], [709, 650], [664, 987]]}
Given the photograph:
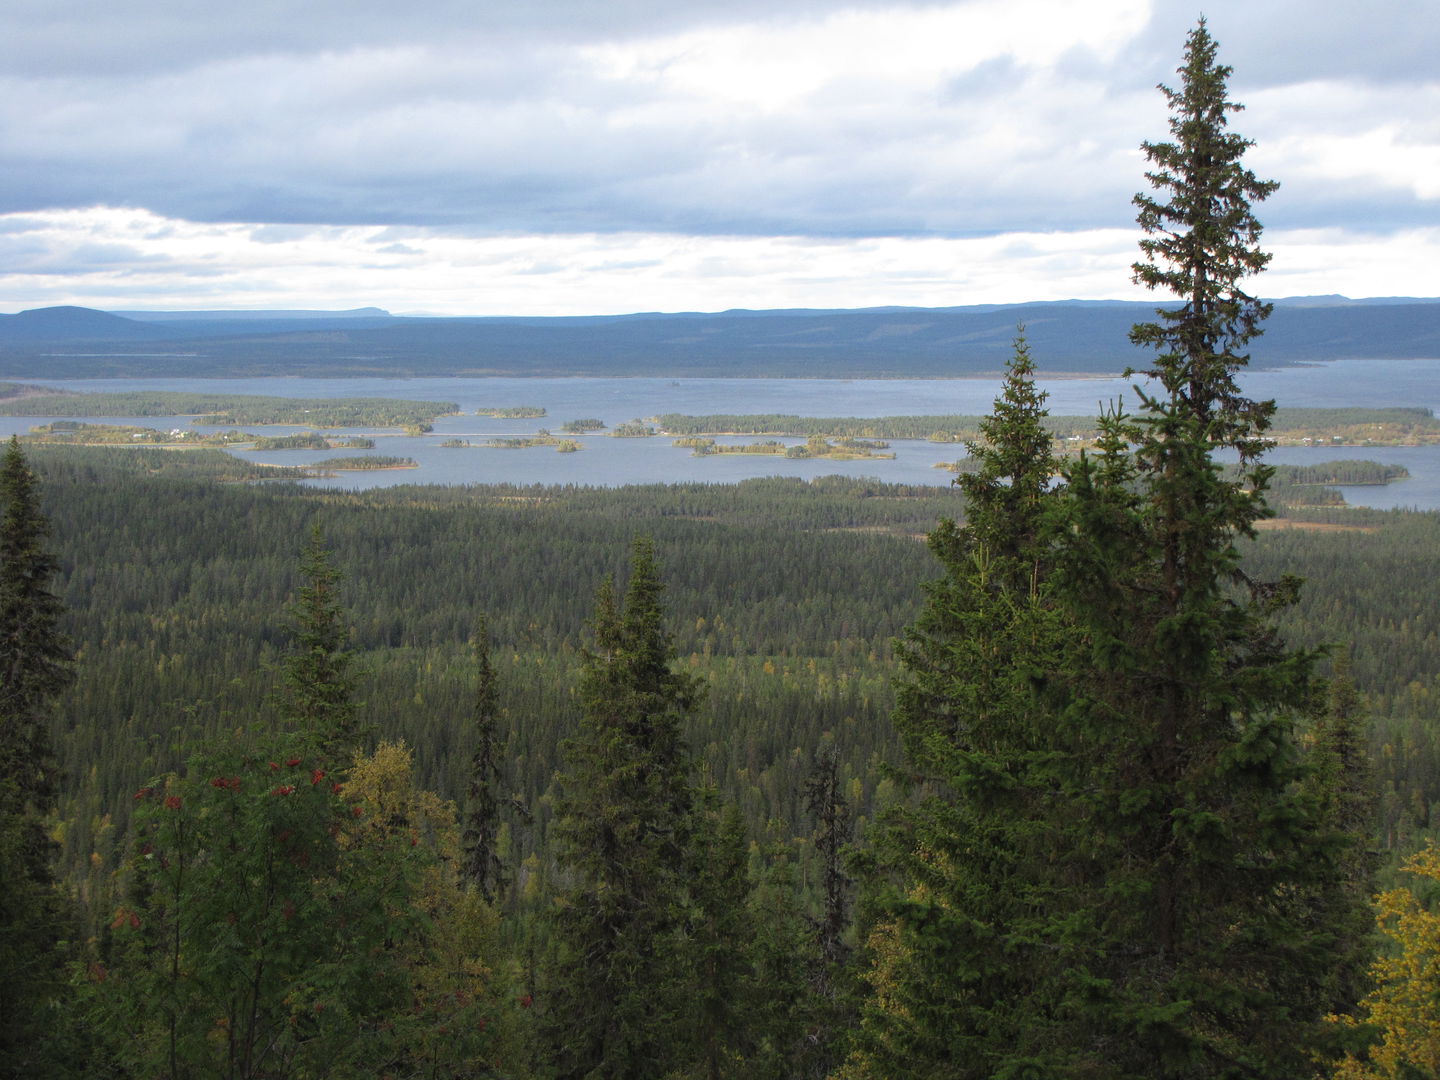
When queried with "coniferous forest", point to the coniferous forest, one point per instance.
{"points": [[1082, 769]]}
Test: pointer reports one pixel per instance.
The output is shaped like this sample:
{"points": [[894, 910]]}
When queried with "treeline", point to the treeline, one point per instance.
{"points": [[362, 463], [786, 599], [217, 410], [1340, 472], [945, 429]]}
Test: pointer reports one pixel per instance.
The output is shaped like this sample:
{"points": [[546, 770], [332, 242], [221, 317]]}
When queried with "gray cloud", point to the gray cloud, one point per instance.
{"points": [[492, 118]]}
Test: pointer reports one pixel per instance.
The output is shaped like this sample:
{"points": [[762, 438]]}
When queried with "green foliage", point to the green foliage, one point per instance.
{"points": [[544, 438], [35, 667], [1198, 951], [1339, 472], [362, 463], [317, 693], [612, 1001], [73, 431], [1341, 781], [722, 989], [35, 657], [484, 869], [255, 942], [304, 440], [965, 967]]}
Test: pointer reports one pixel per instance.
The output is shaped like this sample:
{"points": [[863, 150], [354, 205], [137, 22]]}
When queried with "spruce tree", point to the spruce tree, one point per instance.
{"points": [[484, 869], [1342, 782], [35, 654], [718, 934], [1193, 881], [317, 688], [961, 974], [615, 996], [35, 667], [831, 999]]}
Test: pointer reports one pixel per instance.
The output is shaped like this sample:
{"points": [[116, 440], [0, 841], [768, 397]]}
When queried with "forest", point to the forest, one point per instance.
{"points": [[1091, 765]]}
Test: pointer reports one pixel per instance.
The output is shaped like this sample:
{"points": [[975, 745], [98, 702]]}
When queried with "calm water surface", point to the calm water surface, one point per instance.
{"points": [[607, 461]]}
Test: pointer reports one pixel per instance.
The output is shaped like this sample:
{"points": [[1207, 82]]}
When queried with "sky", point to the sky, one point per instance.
{"points": [[575, 157]]}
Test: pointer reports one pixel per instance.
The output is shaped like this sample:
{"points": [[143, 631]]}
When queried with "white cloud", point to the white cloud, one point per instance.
{"points": [[115, 258], [365, 152]]}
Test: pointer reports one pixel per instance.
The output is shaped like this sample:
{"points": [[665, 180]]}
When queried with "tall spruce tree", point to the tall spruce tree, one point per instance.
{"points": [[1342, 781], [961, 971], [1200, 855], [484, 869], [35, 667], [35, 654], [614, 996], [317, 690]]}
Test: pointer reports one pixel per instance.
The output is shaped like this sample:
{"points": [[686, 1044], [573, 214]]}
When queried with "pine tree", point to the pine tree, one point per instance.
{"points": [[35, 667], [1191, 887], [484, 868], [318, 686], [615, 994]]}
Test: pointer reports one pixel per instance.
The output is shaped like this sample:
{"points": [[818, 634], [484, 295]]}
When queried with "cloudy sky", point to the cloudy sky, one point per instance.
{"points": [[602, 156]]}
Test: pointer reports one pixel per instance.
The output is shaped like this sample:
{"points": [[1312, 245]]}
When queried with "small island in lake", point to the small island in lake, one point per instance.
{"points": [[363, 463], [816, 447], [515, 412], [76, 433]]}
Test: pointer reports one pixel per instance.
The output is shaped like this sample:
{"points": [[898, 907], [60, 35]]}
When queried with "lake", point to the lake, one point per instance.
{"points": [[608, 461]]}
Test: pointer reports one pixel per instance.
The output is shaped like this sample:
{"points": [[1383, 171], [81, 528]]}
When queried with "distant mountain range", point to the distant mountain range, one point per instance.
{"points": [[1065, 337]]}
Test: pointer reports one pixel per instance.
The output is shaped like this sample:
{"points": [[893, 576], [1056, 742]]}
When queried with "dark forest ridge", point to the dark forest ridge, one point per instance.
{"points": [[1076, 337]]}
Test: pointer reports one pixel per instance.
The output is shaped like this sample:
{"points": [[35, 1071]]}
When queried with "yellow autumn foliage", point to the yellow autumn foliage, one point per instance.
{"points": [[1405, 1004]]}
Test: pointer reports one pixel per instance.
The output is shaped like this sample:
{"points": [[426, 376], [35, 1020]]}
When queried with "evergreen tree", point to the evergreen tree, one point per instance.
{"points": [[830, 992], [35, 654], [484, 868], [717, 936], [833, 830], [1199, 856], [616, 999], [1342, 782], [34, 667], [318, 686], [966, 877]]}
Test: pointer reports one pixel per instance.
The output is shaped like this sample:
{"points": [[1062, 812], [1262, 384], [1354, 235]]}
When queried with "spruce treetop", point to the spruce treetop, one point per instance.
{"points": [[1202, 238]]}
